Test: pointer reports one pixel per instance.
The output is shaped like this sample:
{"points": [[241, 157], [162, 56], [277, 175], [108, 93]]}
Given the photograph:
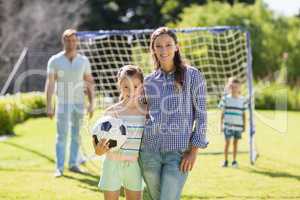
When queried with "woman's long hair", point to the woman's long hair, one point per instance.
{"points": [[180, 65]]}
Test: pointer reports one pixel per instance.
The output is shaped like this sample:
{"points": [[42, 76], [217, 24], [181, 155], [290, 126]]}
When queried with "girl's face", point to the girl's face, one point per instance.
{"points": [[131, 88], [164, 48]]}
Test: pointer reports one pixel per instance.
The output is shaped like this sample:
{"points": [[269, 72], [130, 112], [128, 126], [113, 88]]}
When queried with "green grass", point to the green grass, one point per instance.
{"points": [[27, 164]]}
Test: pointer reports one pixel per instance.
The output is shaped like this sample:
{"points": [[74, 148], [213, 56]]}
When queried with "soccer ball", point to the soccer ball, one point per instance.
{"points": [[112, 129]]}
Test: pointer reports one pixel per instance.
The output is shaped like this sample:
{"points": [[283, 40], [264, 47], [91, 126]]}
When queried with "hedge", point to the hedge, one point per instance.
{"points": [[276, 97], [17, 108]]}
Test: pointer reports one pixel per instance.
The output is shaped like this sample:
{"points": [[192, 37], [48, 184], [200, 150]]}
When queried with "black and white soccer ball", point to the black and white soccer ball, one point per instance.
{"points": [[113, 129]]}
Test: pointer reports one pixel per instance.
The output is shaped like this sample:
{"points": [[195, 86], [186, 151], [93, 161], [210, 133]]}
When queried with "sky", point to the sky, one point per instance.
{"points": [[285, 7]]}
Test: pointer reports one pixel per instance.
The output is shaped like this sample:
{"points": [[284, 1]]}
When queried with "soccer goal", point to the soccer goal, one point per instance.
{"points": [[218, 52]]}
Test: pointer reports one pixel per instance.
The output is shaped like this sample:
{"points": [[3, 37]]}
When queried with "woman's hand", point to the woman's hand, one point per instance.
{"points": [[188, 160], [102, 147]]}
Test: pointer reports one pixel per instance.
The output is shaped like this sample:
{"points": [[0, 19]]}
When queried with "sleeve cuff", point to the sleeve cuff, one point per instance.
{"points": [[199, 140]]}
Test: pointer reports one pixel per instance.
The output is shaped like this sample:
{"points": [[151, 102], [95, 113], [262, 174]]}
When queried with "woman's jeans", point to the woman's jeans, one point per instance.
{"points": [[68, 115], [162, 175]]}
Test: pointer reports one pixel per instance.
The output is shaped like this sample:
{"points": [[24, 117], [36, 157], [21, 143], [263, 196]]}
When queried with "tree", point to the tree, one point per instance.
{"points": [[35, 24], [232, 2], [133, 14], [271, 35]]}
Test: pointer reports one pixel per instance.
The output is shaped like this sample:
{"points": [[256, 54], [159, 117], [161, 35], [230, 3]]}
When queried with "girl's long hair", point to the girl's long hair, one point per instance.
{"points": [[180, 65]]}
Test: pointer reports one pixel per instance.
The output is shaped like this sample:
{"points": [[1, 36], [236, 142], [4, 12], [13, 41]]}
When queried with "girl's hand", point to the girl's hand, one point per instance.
{"points": [[102, 147], [188, 160]]}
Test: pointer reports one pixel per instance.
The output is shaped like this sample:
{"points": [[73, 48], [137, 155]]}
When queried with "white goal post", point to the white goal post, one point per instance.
{"points": [[219, 52]]}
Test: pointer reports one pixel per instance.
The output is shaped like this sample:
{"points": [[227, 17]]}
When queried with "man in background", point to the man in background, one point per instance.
{"points": [[68, 73]]}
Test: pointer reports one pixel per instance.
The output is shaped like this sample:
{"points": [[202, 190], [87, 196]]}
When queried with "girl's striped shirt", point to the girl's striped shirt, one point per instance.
{"points": [[130, 149]]}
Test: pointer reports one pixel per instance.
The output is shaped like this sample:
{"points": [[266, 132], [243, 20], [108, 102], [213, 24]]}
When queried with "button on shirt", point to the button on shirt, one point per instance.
{"points": [[177, 116], [70, 83]]}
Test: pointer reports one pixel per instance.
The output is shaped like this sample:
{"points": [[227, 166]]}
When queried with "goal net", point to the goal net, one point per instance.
{"points": [[218, 52]]}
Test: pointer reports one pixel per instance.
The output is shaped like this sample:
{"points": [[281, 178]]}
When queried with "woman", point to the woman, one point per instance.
{"points": [[176, 123]]}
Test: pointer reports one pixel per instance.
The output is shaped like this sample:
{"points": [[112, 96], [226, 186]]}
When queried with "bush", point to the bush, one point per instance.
{"points": [[17, 108], [6, 123], [276, 97]]}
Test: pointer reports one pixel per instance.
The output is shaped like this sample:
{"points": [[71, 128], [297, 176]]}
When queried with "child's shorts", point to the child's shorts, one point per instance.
{"points": [[116, 173], [232, 133]]}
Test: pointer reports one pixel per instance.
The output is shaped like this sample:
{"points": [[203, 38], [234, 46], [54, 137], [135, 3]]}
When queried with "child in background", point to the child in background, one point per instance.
{"points": [[121, 168], [233, 118]]}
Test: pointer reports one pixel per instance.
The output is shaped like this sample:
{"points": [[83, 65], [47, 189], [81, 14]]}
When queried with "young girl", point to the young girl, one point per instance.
{"points": [[176, 100], [121, 168], [233, 118]]}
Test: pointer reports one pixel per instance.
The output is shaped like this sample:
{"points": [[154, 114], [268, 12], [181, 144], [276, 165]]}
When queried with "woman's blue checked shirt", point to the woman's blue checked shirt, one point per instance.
{"points": [[177, 117]]}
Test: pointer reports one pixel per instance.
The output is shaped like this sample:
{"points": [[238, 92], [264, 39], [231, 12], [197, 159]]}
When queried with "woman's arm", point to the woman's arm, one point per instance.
{"points": [[198, 139], [198, 87]]}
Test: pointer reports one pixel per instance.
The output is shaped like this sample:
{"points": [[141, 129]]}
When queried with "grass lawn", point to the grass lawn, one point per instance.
{"points": [[27, 164]]}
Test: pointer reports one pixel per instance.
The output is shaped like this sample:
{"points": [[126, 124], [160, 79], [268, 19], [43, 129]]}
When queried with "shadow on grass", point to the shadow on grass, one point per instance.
{"points": [[86, 178], [220, 153], [290, 164], [183, 197], [30, 150], [91, 183], [272, 174], [26, 170]]}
